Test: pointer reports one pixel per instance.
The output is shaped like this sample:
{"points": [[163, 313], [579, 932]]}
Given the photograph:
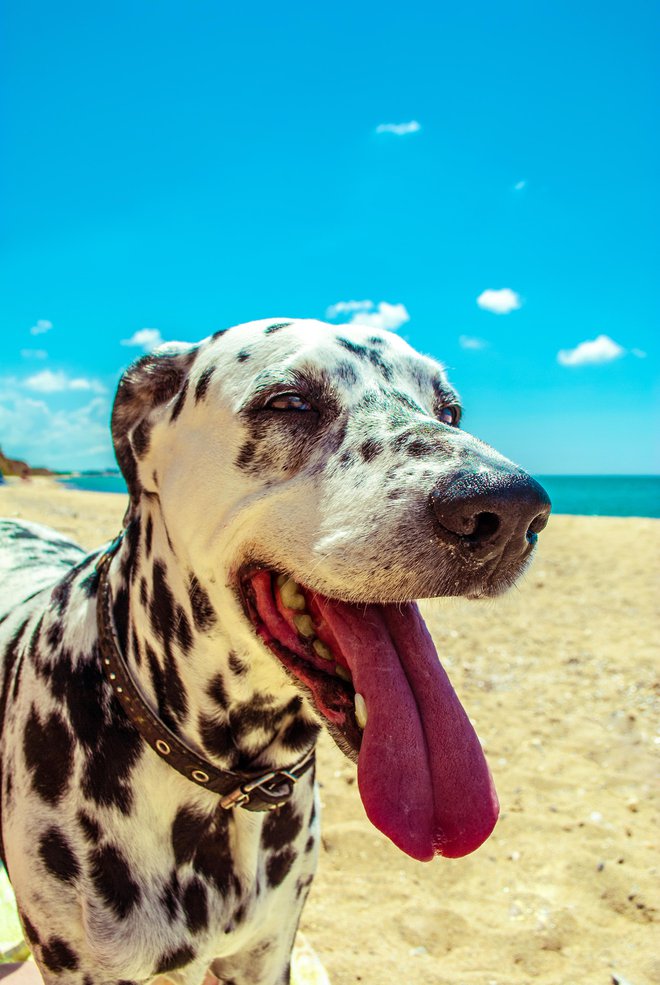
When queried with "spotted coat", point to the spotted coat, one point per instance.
{"points": [[123, 869]]}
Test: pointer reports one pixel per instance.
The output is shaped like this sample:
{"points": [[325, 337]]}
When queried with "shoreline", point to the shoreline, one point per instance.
{"points": [[560, 679]]}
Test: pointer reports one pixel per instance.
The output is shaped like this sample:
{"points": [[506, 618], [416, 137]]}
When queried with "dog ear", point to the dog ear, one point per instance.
{"points": [[146, 386]]}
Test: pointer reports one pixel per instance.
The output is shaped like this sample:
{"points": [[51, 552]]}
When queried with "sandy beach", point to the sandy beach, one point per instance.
{"points": [[560, 679]]}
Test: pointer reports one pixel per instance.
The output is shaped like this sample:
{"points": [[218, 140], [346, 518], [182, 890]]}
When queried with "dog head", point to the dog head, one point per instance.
{"points": [[318, 477]]}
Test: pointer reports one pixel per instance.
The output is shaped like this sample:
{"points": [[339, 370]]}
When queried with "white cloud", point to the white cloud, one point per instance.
{"points": [[400, 129], [386, 316], [519, 185], [42, 326], [380, 316], [146, 338], [470, 342], [345, 307], [60, 439], [34, 354], [500, 302], [48, 381], [602, 349]]}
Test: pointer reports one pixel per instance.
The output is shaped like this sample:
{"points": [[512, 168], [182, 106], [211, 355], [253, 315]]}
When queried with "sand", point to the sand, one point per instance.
{"points": [[560, 679]]}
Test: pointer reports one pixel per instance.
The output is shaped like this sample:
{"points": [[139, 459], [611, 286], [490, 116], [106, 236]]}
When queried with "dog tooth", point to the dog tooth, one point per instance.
{"points": [[304, 625], [360, 710], [291, 595], [343, 672], [322, 650]]}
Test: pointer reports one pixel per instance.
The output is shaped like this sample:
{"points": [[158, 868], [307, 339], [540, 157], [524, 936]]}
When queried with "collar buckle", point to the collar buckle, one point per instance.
{"points": [[268, 792]]}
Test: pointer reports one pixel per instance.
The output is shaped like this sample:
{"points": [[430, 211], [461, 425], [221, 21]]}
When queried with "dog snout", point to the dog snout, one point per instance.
{"points": [[491, 512]]}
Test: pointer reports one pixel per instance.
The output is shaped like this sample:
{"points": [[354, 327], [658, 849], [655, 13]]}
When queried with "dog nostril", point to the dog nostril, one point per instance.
{"points": [[538, 524], [485, 525]]}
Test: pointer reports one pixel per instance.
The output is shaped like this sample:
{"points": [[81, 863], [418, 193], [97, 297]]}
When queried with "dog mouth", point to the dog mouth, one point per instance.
{"points": [[373, 674]]}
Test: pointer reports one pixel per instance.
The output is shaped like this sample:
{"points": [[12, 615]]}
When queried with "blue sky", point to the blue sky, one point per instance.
{"points": [[186, 166]]}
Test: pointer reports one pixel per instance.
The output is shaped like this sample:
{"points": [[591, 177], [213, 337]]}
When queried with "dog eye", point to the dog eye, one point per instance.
{"points": [[450, 415], [288, 401]]}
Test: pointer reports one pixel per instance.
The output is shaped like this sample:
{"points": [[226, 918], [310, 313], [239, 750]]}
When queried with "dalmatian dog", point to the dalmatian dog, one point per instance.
{"points": [[294, 487]]}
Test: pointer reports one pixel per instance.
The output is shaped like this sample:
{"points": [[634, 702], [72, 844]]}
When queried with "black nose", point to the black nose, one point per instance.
{"points": [[491, 511]]}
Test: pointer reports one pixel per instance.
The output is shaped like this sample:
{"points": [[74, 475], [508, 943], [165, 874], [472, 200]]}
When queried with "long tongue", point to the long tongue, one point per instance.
{"points": [[422, 775]]}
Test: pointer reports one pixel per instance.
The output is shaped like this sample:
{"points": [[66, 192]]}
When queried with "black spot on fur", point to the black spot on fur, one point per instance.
{"points": [[217, 737], [309, 844], [48, 749], [91, 829], [403, 398], [136, 648], [195, 906], [356, 350], [55, 634], [112, 743], [346, 373], [174, 959], [243, 355], [130, 556], [281, 828], [57, 855], [62, 592], [236, 665], [299, 734], [170, 691], [90, 584], [245, 455], [420, 448], [148, 535], [144, 594], [170, 897], [141, 437], [31, 933], [249, 716], [278, 866], [204, 841], [202, 611], [276, 327], [213, 860], [183, 630], [188, 828], [203, 384], [179, 402], [376, 340], [370, 448], [58, 956], [120, 617], [216, 690], [112, 880], [219, 333], [302, 885], [400, 441], [106, 779], [162, 602]]}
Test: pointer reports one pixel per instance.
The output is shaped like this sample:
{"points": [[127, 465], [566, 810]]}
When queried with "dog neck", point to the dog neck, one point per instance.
{"points": [[214, 686]]}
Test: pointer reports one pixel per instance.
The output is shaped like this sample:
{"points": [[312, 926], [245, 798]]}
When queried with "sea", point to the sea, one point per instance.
{"points": [[581, 495]]}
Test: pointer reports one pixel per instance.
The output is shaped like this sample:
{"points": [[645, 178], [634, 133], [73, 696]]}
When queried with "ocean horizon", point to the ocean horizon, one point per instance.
{"points": [[577, 495]]}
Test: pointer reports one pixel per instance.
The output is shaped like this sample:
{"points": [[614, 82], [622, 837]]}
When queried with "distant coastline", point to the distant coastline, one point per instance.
{"points": [[107, 482], [578, 495]]}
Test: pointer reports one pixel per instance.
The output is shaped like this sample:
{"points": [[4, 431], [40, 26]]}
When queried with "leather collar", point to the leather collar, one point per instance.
{"points": [[255, 790]]}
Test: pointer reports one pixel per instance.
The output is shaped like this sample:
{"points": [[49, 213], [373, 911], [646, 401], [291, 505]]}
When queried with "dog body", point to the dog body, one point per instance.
{"points": [[324, 454]]}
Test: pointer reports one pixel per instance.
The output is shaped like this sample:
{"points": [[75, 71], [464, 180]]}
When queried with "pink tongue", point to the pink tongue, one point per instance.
{"points": [[422, 775]]}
